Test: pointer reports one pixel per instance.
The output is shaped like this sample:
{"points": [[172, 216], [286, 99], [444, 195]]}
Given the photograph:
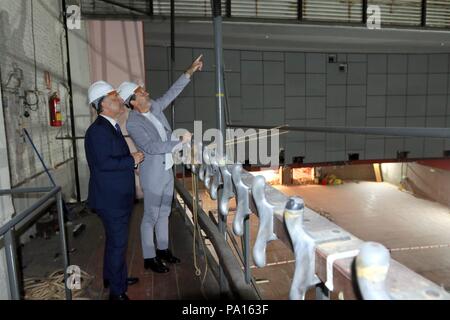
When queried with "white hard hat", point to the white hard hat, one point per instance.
{"points": [[126, 89], [99, 89]]}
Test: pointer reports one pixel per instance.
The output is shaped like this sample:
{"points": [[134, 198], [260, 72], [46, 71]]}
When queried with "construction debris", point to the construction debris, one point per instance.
{"points": [[52, 288]]}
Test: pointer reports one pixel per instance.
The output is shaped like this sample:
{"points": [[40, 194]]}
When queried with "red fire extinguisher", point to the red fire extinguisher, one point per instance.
{"points": [[54, 104]]}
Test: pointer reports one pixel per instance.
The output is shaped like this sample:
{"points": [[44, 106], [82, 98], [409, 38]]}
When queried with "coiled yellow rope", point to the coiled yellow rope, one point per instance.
{"points": [[52, 287]]}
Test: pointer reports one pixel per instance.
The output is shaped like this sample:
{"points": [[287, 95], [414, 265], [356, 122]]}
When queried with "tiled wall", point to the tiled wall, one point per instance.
{"points": [[16, 47], [296, 88]]}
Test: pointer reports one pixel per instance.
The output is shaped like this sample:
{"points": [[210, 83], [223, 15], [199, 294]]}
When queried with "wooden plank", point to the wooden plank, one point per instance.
{"points": [[143, 290], [189, 284]]}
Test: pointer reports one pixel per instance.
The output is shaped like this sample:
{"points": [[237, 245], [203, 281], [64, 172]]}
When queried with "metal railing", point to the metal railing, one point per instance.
{"points": [[8, 232], [229, 264], [324, 252]]}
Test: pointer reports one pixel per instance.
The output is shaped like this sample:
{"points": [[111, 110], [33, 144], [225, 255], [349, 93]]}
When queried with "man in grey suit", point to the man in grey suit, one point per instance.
{"points": [[151, 133]]}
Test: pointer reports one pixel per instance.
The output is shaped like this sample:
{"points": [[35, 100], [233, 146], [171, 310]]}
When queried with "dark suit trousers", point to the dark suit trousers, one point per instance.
{"points": [[116, 224]]}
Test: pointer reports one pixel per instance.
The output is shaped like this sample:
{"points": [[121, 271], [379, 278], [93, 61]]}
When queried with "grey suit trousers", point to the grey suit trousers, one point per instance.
{"points": [[157, 208]]}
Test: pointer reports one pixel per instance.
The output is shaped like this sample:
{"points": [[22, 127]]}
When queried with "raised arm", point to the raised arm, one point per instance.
{"points": [[163, 102]]}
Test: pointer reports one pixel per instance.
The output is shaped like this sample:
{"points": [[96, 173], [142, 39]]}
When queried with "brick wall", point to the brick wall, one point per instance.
{"points": [[19, 164], [49, 49]]}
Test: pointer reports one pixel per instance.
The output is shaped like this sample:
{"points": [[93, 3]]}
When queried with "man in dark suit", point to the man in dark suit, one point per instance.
{"points": [[111, 183]]}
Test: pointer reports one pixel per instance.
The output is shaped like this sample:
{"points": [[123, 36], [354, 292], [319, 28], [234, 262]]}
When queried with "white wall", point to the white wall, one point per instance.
{"points": [[116, 51]]}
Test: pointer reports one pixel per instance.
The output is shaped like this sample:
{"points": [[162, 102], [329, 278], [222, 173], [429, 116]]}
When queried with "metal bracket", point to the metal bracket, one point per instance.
{"points": [[208, 170], [372, 266], [242, 200], [304, 249], [216, 180], [329, 283], [227, 192], [265, 212], [202, 172], [202, 166]]}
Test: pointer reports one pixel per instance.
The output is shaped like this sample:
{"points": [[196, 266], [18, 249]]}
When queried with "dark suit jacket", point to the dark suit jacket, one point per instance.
{"points": [[111, 183]]}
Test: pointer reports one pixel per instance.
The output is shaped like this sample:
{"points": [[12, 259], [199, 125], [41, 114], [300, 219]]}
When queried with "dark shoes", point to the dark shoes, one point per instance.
{"points": [[156, 265], [122, 297], [167, 256], [130, 282]]}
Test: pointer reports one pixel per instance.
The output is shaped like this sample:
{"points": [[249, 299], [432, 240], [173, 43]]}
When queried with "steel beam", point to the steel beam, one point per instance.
{"points": [[11, 265], [25, 213], [383, 131], [25, 190]]}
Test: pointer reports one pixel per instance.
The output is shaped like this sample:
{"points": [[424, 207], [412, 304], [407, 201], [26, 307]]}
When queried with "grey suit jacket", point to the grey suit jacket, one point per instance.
{"points": [[147, 139]]}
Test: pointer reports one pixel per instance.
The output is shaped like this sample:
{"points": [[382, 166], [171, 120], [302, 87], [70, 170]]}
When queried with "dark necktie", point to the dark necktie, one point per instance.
{"points": [[118, 128]]}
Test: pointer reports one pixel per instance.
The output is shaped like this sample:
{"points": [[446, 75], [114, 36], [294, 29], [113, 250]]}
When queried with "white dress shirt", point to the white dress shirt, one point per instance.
{"points": [[163, 134], [111, 120]]}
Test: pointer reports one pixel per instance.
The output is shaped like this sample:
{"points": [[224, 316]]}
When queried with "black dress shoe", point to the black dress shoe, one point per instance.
{"points": [[130, 282], [156, 265], [122, 296], [167, 256]]}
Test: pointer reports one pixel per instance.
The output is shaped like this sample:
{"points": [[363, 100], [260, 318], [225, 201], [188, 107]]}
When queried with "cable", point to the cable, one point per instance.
{"points": [[194, 218], [197, 228], [26, 104], [36, 103]]}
